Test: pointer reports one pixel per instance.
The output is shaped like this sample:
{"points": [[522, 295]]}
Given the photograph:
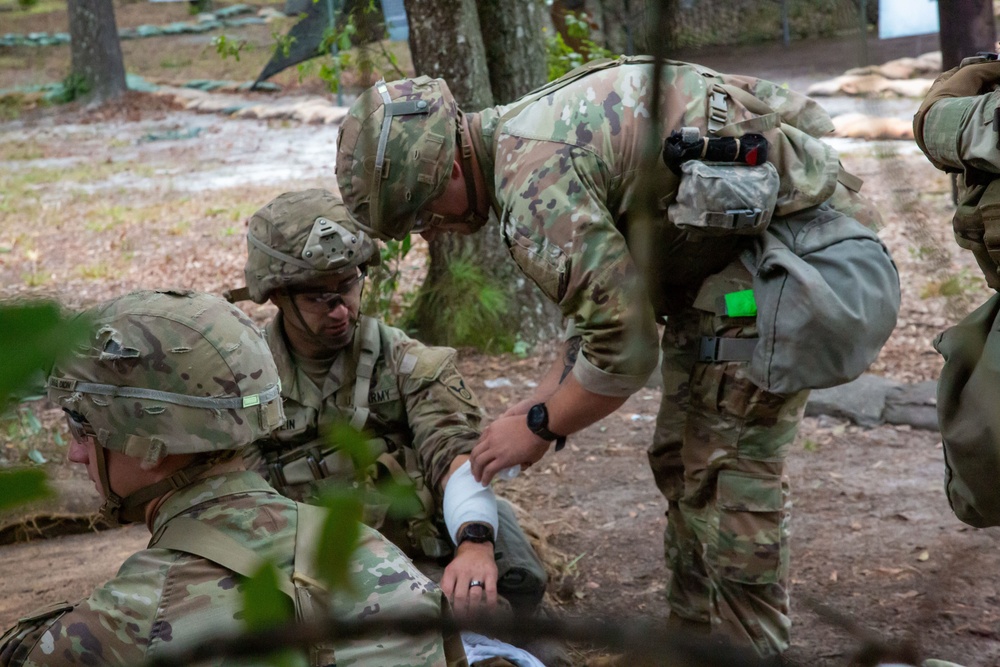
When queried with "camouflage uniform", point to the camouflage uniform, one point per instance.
{"points": [[162, 598], [958, 130], [170, 373], [562, 175], [421, 416], [408, 397]]}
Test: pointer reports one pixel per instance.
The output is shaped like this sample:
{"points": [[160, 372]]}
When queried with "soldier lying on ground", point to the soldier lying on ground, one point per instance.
{"points": [[307, 256], [560, 169], [172, 386]]}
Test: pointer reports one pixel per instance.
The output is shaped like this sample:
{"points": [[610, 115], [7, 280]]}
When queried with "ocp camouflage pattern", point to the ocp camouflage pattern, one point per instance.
{"points": [[420, 407], [718, 457], [178, 341], [161, 599]]}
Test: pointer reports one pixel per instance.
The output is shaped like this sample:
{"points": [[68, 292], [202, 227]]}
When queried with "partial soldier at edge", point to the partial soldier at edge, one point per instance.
{"points": [[170, 389]]}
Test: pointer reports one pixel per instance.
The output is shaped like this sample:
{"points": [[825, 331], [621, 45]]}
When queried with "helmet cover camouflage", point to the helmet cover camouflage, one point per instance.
{"points": [[300, 237], [171, 372], [387, 172]]}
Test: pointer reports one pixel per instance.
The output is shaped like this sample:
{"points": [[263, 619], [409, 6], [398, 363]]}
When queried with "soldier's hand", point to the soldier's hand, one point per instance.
{"points": [[519, 408], [505, 443], [470, 580]]}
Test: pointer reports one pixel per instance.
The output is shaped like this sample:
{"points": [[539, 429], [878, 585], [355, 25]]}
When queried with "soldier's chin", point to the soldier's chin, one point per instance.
{"points": [[340, 339]]}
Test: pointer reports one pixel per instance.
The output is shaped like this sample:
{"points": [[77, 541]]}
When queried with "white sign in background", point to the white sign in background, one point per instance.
{"points": [[902, 18]]}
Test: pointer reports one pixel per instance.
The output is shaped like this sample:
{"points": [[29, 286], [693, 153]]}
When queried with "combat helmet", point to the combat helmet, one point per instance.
{"points": [[164, 373], [300, 237], [395, 152]]}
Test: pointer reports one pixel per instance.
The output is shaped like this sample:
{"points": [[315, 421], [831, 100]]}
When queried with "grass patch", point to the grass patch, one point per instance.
{"points": [[21, 150], [98, 271]]}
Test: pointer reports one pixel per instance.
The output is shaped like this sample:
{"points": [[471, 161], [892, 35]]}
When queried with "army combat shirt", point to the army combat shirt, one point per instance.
{"points": [[417, 400], [162, 598], [565, 173]]}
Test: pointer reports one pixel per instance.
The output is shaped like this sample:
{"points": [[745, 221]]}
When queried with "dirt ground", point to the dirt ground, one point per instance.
{"points": [[93, 206]]}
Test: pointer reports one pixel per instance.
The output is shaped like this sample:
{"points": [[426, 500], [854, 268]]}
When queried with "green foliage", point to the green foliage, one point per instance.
{"points": [[955, 285], [32, 335], [362, 26], [26, 4], [26, 436], [75, 86], [474, 305], [265, 606], [227, 47], [22, 486], [381, 300], [562, 57], [11, 106], [340, 537]]}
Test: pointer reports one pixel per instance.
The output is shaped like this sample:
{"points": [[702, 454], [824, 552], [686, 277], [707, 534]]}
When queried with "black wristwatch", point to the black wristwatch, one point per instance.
{"points": [[475, 532], [538, 423]]}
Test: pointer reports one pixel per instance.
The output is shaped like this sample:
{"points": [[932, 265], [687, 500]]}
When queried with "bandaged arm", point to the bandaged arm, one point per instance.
{"points": [[468, 501]]}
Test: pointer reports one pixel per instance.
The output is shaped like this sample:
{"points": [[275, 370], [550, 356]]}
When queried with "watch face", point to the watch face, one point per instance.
{"points": [[476, 532], [537, 416]]}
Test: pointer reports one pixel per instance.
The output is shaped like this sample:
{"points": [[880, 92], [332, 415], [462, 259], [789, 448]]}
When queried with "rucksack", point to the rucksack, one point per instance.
{"points": [[968, 417], [827, 289]]}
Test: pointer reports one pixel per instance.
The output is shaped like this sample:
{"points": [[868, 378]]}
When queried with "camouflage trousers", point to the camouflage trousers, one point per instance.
{"points": [[718, 456]]}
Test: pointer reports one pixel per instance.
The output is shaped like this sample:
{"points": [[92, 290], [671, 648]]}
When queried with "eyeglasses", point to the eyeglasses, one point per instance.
{"points": [[79, 427], [325, 301]]}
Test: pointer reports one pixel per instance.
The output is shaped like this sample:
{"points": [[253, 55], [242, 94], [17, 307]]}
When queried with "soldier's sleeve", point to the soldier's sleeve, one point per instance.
{"points": [[108, 628], [562, 235], [443, 413], [961, 133]]}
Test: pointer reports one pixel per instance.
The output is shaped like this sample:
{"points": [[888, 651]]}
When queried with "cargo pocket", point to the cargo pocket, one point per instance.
{"points": [[749, 547], [543, 262]]}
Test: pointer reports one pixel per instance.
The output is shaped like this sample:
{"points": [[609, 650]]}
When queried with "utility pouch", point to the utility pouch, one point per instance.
{"points": [[967, 396], [977, 227], [827, 294], [721, 198]]}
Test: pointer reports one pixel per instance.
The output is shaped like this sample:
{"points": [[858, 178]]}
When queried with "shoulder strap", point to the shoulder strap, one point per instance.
{"points": [[198, 539], [770, 119], [562, 82], [369, 345]]}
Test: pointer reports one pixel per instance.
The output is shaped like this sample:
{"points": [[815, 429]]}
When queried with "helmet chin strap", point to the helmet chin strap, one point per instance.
{"points": [[320, 341], [112, 501], [132, 508], [472, 216]]}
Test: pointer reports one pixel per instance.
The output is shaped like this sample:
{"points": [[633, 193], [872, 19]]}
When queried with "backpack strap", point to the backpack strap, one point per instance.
{"points": [[198, 539], [563, 81], [369, 345], [767, 119]]}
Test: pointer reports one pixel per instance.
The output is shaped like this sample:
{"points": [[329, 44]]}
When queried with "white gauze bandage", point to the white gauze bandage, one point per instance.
{"points": [[467, 500]]}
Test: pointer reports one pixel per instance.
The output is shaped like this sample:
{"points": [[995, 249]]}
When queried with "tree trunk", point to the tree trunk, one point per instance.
{"points": [[967, 27], [97, 67], [446, 42], [515, 50]]}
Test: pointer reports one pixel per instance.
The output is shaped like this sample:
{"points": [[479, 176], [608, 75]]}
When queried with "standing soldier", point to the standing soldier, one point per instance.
{"points": [[958, 128], [559, 169], [172, 386], [308, 257]]}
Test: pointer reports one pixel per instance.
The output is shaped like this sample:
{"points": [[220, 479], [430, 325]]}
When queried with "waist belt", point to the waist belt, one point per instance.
{"points": [[717, 349], [311, 467]]}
